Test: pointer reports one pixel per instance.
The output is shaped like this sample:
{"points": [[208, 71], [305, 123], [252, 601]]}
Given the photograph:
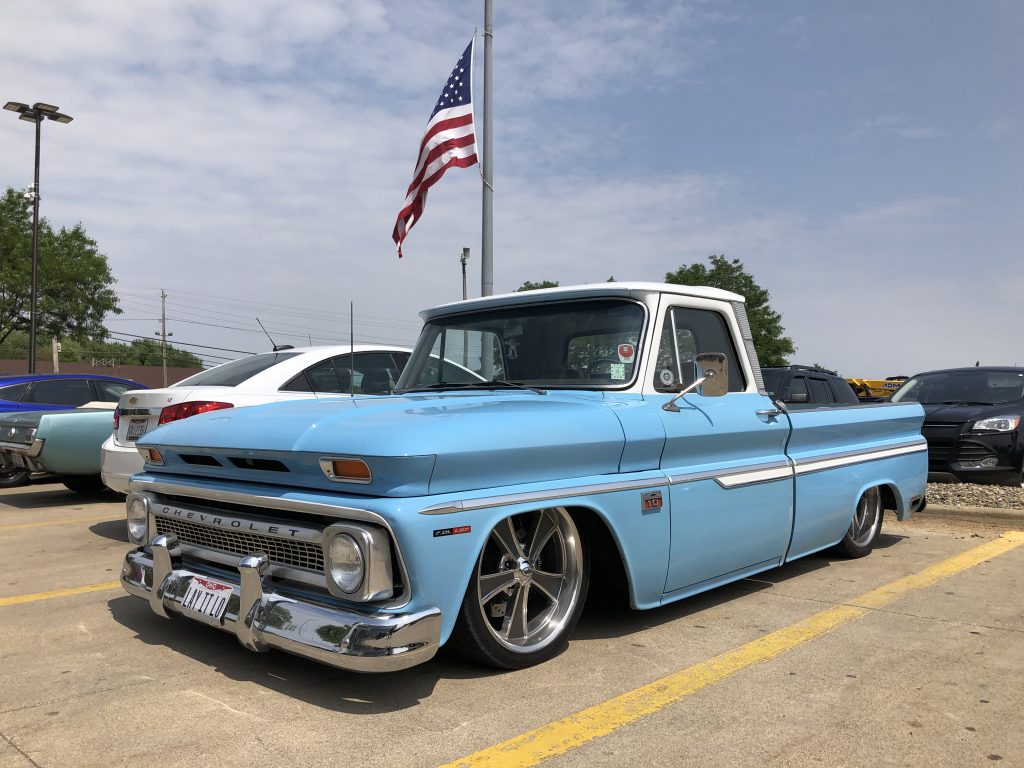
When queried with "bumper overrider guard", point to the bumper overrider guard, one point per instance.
{"points": [[262, 619]]}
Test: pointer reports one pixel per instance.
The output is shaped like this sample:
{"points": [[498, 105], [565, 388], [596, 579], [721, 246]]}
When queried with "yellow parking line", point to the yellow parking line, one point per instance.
{"points": [[19, 599], [60, 522], [573, 731]]}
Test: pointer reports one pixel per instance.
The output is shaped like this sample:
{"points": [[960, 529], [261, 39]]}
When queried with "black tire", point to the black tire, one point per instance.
{"points": [[866, 525], [85, 484], [11, 476], [536, 566]]}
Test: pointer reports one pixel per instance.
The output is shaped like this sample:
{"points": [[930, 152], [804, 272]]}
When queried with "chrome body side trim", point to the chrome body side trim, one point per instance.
{"points": [[262, 619], [806, 466], [463, 505], [736, 477]]}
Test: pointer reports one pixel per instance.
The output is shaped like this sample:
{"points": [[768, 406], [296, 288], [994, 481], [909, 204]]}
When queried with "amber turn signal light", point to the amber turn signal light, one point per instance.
{"points": [[346, 470]]}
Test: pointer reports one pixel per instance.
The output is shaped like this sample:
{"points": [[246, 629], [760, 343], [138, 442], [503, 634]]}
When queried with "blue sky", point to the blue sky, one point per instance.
{"points": [[863, 160]]}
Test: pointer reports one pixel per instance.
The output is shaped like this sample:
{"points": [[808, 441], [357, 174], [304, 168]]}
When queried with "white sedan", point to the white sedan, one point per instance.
{"points": [[289, 374]]}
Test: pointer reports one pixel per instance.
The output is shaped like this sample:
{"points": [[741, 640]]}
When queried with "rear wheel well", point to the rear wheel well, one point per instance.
{"points": [[609, 581], [889, 503]]}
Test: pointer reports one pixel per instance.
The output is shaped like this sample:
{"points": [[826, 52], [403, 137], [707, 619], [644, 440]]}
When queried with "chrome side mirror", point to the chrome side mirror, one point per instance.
{"points": [[712, 378], [713, 368]]}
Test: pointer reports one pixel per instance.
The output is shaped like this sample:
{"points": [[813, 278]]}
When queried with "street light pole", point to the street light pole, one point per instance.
{"points": [[35, 114], [465, 334], [464, 258]]}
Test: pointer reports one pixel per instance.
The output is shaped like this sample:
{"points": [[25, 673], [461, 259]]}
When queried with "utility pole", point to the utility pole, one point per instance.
{"points": [[465, 334], [162, 333]]}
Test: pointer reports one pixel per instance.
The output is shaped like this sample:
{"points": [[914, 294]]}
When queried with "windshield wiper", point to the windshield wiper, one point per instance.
{"points": [[502, 384], [492, 384], [965, 402], [429, 387]]}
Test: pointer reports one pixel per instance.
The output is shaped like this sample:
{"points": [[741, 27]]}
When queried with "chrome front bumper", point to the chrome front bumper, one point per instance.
{"points": [[263, 619]]}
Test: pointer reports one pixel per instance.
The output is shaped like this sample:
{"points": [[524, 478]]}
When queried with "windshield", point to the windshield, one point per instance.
{"points": [[963, 388], [234, 373], [592, 343]]}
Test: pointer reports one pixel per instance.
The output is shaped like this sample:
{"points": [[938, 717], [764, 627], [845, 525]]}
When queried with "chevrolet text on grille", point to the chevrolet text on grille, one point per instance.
{"points": [[227, 522]]}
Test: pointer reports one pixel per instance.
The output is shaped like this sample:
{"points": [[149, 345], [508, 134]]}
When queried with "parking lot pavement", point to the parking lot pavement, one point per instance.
{"points": [[930, 673]]}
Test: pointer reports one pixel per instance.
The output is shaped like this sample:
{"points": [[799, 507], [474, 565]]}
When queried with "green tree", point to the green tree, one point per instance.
{"points": [[74, 280], [139, 352], [531, 286], [765, 323]]}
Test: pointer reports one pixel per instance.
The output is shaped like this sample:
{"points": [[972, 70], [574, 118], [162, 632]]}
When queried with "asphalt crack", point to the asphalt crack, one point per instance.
{"points": [[18, 749]]}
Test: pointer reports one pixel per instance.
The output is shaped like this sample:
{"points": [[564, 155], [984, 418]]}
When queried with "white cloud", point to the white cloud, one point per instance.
{"points": [[899, 211], [795, 29], [899, 126]]}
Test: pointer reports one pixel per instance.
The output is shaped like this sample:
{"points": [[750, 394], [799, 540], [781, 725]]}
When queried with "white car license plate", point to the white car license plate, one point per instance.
{"points": [[136, 429], [207, 598]]}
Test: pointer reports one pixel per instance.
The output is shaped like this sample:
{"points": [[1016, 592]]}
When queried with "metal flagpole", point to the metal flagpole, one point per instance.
{"points": [[487, 228]]}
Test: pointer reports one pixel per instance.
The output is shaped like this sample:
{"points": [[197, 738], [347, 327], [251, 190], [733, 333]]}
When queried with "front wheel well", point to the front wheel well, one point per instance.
{"points": [[609, 581]]}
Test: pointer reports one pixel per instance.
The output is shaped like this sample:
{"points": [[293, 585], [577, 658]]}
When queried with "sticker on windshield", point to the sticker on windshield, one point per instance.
{"points": [[618, 371], [626, 353]]}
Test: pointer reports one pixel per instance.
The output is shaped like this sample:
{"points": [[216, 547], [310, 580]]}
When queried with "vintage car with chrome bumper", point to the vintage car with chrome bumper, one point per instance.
{"points": [[65, 443]]}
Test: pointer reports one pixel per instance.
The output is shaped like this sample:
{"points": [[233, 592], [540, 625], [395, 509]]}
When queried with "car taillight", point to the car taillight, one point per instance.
{"points": [[184, 410], [117, 418]]}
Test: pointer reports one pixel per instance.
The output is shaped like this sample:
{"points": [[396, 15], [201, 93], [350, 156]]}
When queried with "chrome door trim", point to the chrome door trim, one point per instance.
{"points": [[753, 477], [736, 476]]}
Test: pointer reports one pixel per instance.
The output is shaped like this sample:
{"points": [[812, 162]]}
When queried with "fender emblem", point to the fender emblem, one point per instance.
{"points": [[650, 501], [452, 531]]}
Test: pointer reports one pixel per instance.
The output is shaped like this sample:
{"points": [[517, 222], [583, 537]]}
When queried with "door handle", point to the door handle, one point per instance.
{"points": [[771, 413]]}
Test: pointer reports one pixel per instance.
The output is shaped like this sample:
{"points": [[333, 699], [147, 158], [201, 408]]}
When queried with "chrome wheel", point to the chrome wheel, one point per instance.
{"points": [[867, 519], [530, 578]]}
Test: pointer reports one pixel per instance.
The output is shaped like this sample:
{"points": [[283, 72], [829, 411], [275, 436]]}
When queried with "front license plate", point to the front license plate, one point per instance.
{"points": [[136, 429], [207, 598]]}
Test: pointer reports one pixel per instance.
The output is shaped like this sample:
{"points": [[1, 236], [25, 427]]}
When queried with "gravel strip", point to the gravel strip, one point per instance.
{"points": [[971, 495]]}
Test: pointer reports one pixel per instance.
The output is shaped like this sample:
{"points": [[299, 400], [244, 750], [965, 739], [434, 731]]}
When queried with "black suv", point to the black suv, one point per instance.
{"points": [[807, 385], [972, 422]]}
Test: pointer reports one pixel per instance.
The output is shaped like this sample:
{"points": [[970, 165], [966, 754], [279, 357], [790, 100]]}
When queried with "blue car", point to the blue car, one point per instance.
{"points": [[57, 391]]}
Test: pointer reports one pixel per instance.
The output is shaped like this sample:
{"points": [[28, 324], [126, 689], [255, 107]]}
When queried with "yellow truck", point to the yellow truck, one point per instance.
{"points": [[869, 390]]}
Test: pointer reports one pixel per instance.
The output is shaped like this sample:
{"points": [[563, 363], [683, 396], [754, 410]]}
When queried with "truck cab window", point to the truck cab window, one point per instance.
{"points": [[687, 332]]}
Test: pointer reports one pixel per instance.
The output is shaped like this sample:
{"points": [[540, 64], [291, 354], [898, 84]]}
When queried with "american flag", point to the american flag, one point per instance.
{"points": [[449, 140]]}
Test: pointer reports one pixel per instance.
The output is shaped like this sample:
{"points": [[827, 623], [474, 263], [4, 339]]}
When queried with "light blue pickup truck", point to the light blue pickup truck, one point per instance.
{"points": [[601, 436]]}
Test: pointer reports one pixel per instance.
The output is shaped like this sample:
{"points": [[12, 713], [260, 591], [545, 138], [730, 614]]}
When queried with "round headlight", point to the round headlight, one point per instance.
{"points": [[138, 518], [346, 563]]}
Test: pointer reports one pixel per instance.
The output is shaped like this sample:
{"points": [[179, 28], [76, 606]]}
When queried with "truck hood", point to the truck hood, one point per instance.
{"points": [[414, 444]]}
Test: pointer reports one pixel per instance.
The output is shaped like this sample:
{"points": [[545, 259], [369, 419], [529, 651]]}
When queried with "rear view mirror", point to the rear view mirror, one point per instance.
{"points": [[798, 397], [714, 369]]}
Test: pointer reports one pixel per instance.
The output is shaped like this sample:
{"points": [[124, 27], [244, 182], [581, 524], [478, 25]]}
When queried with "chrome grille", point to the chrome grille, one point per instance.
{"points": [[287, 552]]}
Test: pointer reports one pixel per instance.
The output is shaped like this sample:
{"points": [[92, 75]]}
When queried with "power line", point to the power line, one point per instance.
{"points": [[186, 344]]}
